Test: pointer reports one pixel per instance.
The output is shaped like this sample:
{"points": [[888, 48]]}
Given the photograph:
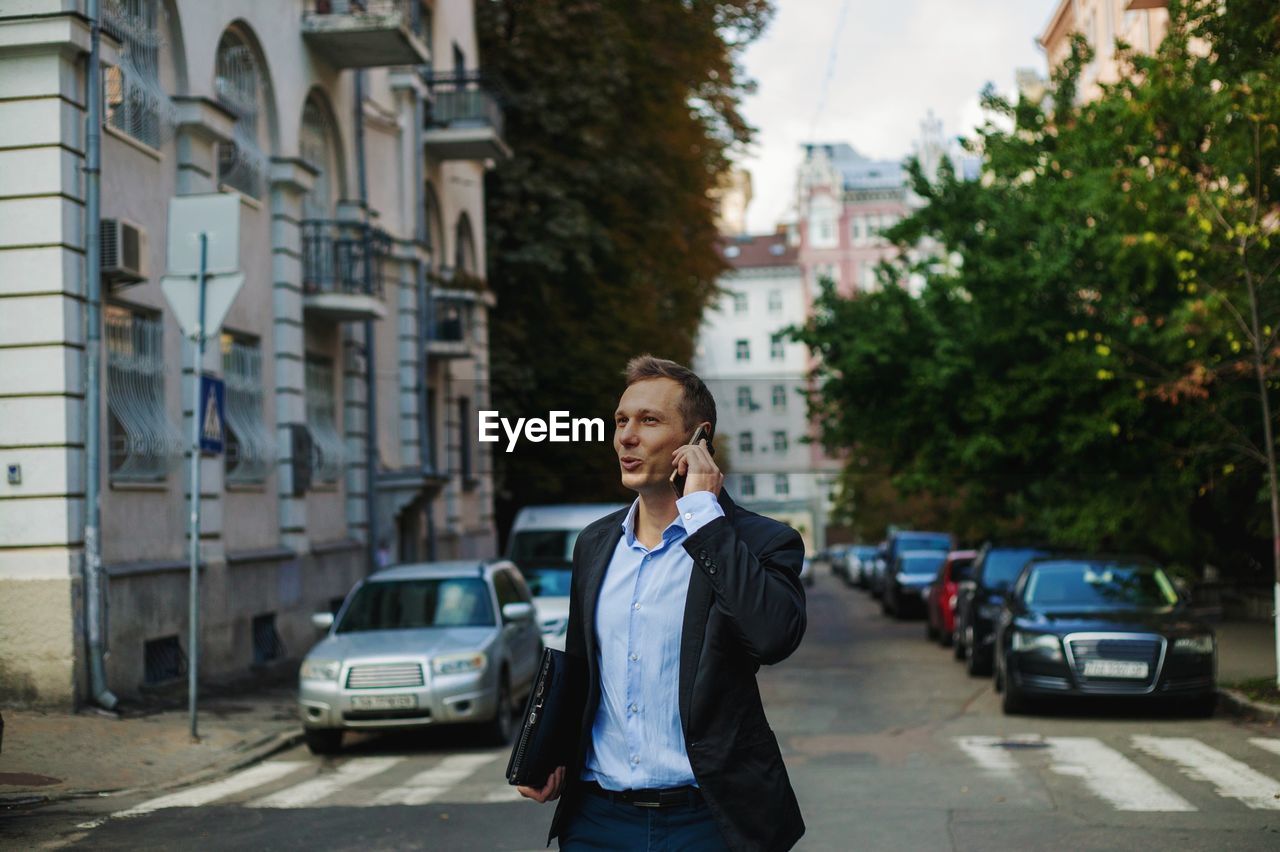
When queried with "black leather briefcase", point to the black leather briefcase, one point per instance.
{"points": [[539, 748]]}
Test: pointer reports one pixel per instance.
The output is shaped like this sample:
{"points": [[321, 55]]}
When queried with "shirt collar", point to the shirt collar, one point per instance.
{"points": [[674, 530]]}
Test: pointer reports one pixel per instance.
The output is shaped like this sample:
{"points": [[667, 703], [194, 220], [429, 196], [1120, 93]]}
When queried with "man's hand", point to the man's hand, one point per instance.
{"points": [[694, 462], [549, 792]]}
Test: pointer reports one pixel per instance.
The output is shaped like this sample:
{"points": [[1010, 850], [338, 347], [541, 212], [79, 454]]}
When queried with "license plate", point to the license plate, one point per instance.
{"points": [[1115, 668], [384, 702]]}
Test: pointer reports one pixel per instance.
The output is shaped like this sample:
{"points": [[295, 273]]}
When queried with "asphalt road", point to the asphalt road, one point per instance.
{"points": [[889, 743]]}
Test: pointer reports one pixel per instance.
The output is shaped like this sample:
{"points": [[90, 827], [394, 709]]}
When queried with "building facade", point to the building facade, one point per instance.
{"points": [[1141, 24], [354, 135], [758, 380]]}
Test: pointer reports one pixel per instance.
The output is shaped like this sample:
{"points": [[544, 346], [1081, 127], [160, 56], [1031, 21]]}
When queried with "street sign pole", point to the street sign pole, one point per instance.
{"points": [[193, 641]]}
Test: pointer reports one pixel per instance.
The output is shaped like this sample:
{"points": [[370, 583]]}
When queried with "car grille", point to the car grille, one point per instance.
{"points": [[387, 675], [1139, 649]]}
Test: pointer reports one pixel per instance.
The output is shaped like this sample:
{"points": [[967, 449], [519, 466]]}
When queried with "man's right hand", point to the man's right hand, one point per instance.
{"points": [[549, 792]]}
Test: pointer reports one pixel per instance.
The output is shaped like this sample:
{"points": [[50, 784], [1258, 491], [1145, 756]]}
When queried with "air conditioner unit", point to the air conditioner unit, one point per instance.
{"points": [[124, 252]]}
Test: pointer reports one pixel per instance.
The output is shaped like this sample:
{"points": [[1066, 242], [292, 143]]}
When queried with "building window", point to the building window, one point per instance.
{"points": [[776, 350], [855, 228], [316, 146], [742, 350], [745, 444], [775, 301], [142, 443], [464, 248], [250, 448], [464, 438], [134, 100], [327, 448], [238, 86], [781, 485], [744, 398], [780, 441], [748, 485], [739, 303], [779, 397]]}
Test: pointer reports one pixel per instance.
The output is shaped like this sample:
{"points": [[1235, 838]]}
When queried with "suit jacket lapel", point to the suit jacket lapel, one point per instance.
{"points": [[697, 609], [598, 558]]}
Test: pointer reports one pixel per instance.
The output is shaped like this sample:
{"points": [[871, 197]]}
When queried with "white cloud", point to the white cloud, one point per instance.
{"points": [[895, 61]]}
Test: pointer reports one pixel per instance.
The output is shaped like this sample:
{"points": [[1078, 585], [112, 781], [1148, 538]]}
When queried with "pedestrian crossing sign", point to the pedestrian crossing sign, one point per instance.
{"points": [[212, 414]]}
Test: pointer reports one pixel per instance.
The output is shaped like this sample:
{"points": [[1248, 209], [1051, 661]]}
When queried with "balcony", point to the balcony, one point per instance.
{"points": [[342, 270], [464, 121], [367, 33], [451, 324]]}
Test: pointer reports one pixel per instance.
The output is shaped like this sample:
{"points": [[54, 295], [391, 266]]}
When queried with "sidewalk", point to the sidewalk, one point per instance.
{"points": [[62, 755], [1246, 651]]}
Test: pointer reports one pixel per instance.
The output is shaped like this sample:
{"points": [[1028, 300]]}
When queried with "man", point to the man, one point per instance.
{"points": [[675, 604]]}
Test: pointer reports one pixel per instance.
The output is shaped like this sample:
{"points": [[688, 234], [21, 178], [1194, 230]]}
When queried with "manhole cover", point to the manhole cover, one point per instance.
{"points": [[27, 779]]}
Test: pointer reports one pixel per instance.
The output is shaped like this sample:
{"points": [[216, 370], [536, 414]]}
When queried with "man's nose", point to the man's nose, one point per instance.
{"points": [[627, 436]]}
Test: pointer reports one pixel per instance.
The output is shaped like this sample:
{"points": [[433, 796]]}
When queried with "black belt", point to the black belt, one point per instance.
{"points": [[669, 797]]}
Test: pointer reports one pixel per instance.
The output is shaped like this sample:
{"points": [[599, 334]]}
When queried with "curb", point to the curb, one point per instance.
{"points": [[253, 752], [1239, 704]]}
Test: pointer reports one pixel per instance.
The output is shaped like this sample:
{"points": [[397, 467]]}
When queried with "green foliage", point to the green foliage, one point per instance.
{"points": [[601, 231], [1079, 364]]}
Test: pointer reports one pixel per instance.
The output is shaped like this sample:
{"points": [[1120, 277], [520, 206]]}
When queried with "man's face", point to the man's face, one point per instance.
{"points": [[648, 427]]}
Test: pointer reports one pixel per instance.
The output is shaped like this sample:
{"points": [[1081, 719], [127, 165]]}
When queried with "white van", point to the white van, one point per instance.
{"points": [[541, 545]]}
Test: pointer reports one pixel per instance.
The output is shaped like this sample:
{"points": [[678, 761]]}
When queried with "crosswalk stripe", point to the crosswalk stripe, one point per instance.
{"points": [[1230, 777], [431, 784], [255, 776], [504, 793], [309, 792], [1268, 743], [1111, 776], [988, 754]]}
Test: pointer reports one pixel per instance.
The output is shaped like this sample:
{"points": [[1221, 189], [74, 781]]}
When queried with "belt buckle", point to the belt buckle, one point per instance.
{"points": [[657, 804]]}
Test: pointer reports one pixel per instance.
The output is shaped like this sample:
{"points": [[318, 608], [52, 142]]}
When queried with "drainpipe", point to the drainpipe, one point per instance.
{"points": [[427, 463], [94, 603], [370, 374]]}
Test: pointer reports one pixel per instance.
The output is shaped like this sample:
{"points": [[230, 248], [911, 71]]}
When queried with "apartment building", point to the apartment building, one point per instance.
{"points": [[758, 379], [354, 135], [1141, 24]]}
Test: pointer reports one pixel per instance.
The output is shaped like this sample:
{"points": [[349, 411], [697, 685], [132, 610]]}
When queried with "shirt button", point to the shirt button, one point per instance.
{"points": [[635, 657], [635, 758], [688, 516], [635, 708], [636, 607]]}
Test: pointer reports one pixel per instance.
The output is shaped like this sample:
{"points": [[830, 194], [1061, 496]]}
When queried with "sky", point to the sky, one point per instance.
{"points": [[894, 60]]}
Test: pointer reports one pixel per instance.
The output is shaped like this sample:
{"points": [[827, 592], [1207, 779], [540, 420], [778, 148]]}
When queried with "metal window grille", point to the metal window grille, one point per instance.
{"points": [[314, 145], [250, 449], [238, 85], [135, 101], [142, 443], [163, 660], [267, 644], [328, 452]]}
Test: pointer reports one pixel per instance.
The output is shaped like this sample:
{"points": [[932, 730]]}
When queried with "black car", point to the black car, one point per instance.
{"points": [[979, 600], [907, 579], [901, 541], [1101, 626]]}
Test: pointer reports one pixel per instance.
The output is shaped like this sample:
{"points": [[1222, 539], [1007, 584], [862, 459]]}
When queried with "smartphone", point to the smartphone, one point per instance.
{"points": [[677, 480]]}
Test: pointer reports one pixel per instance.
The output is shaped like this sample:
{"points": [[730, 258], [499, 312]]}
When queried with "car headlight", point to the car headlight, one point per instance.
{"points": [[1194, 644], [1038, 643], [989, 611], [459, 663], [320, 669]]}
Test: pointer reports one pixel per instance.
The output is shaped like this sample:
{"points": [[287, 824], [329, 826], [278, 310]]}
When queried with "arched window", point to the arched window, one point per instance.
{"points": [[464, 247], [134, 99], [239, 85], [316, 145]]}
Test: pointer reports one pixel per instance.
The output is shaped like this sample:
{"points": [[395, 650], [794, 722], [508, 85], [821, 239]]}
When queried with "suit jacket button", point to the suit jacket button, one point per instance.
{"points": [[711, 569], [702, 554]]}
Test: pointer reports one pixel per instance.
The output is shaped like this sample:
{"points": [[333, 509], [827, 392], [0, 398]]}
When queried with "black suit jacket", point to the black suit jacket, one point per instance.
{"points": [[745, 608]]}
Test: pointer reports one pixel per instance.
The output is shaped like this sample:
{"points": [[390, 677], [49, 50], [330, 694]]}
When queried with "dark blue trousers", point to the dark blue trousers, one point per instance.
{"points": [[600, 825]]}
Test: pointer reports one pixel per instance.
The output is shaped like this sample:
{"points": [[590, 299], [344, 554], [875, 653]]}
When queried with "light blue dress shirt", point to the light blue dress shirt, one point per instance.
{"points": [[637, 742]]}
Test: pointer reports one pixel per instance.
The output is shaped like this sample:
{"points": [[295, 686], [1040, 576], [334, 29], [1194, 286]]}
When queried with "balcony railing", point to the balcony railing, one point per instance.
{"points": [[342, 269], [465, 121], [367, 33]]}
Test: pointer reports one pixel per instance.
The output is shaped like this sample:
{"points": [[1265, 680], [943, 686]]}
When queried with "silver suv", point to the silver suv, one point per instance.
{"points": [[416, 645]]}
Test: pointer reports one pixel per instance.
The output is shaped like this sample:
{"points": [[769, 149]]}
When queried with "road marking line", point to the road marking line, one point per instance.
{"points": [[988, 754], [1231, 778], [431, 784], [1268, 743], [1111, 776], [194, 797], [309, 792], [505, 793]]}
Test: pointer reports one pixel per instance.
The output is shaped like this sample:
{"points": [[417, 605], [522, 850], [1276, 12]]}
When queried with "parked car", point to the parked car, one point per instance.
{"points": [[940, 598], [834, 557], [979, 599], [541, 545], [897, 543], [909, 578], [806, 571], [1101, 626], [417, 645], [862, 563]]}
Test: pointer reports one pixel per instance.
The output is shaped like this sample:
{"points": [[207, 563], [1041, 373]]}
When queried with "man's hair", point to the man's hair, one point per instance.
{"points": [[696, 404]]}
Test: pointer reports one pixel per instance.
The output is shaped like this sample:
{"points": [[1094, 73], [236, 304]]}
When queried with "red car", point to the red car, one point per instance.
{"points": [[941, 600]]}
